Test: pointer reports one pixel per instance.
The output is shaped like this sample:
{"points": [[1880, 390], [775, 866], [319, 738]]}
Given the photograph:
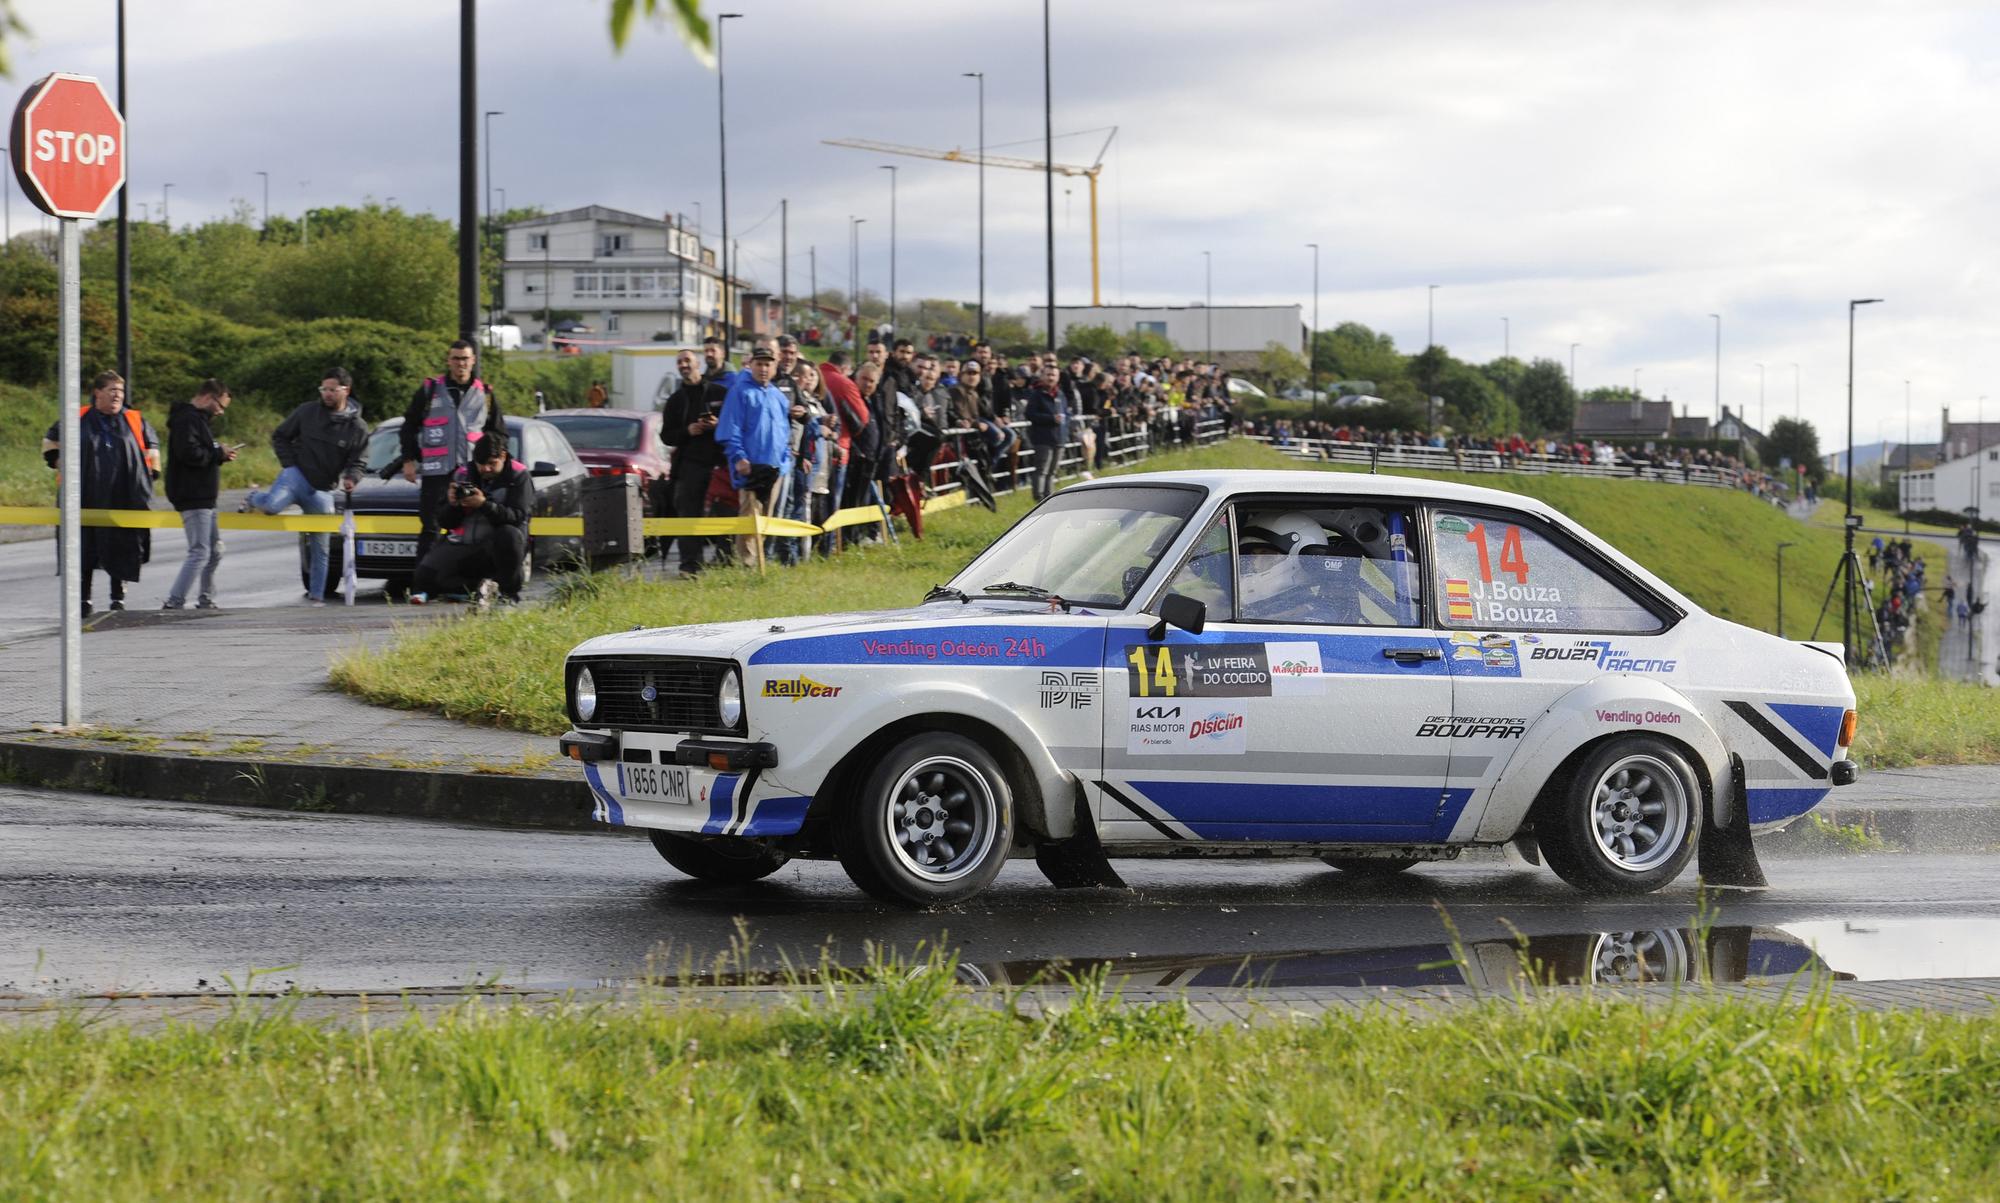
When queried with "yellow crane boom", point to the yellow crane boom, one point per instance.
{"points": [[973, 158]]}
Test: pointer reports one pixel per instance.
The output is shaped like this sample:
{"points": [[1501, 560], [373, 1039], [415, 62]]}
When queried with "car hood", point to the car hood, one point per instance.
{"points": [[376, 496], [742, 640]]}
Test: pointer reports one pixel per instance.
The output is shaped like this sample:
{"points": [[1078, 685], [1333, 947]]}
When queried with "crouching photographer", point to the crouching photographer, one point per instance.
{"points": [[484, 519]]}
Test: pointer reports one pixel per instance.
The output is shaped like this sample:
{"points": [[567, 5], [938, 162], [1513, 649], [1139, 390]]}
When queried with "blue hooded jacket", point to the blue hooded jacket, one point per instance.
{"points": [[755, 425]]}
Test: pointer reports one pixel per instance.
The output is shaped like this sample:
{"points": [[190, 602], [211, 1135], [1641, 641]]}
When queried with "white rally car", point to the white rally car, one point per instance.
{"points": [[1374, 671]]}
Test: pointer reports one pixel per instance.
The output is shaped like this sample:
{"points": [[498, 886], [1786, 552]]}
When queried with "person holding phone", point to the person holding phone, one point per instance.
{"points": [[687, 424], [194, 479]]}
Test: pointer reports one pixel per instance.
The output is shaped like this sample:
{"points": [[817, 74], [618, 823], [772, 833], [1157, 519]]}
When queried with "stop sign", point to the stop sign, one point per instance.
{"points": [[68, 145]]}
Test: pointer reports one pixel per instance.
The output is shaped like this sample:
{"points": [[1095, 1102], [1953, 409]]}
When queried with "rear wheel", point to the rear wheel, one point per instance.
{"points": [[933, 823], [726, 859], [1370, 866], [1627, 821]]}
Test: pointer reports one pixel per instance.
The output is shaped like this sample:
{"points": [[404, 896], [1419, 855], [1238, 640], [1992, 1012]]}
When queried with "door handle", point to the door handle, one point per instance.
{"points": [[1411, 655]]}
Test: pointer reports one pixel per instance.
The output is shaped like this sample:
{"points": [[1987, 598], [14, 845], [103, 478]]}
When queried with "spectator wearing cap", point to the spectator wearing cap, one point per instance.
{"points": [[754, 430]]}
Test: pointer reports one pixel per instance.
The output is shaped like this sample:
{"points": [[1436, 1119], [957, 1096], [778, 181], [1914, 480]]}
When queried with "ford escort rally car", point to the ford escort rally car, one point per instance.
{"points": [[1369, 670]]}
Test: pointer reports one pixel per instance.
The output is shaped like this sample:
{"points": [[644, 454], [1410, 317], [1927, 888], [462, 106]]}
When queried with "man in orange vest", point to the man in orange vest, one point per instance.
{"points": [[121, 459]]}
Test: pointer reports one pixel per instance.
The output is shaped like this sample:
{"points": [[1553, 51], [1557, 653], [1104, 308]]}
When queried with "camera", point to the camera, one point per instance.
{"points": [[458, 489]]}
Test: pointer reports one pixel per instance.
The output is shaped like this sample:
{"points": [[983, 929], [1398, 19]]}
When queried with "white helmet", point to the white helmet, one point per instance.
{"points": [[1268, 566]]}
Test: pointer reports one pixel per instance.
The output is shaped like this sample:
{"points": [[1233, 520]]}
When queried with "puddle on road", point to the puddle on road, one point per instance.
{"points": [[1846, 950]]}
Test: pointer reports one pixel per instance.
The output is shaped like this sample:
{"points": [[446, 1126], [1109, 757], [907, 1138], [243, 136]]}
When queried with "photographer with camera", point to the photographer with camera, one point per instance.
{"points": [[484, 523], [687, 424]]}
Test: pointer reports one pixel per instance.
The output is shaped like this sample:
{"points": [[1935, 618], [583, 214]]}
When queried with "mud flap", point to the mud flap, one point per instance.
{"points": [[1079, 861], [1725, 856], [1528, 848]]}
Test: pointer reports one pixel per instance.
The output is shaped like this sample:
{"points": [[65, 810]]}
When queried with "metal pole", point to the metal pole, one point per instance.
{"points": [[266, 224], [854, 281], [1572, 366], [1760, 400], [1049, 173], [1715, 431], [981, 77], [124, 224], [1907, 427], [1208, 302], [549, 288], [486, 131], [1781, 589], [71, 352], [468, 168], [166, 217], [1312, 343], [1847, 522], [722, 152], [784, 266], [1978, 458], [895, 327]]}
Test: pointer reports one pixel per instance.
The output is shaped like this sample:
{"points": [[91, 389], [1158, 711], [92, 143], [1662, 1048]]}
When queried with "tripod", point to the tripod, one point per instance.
{"points": [[1849, 571]]}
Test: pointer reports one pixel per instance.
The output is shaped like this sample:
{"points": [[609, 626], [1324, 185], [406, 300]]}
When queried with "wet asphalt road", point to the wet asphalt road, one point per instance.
{"points": [[101, 894]]}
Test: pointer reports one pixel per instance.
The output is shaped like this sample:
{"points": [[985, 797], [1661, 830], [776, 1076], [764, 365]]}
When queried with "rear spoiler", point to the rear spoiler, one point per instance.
{"points": [[1835, 650]]}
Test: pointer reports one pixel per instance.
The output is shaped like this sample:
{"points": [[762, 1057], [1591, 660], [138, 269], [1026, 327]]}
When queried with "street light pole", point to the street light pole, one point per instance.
{"points": [[1049, 174], [895, 327], [1847, 522], [1572, 366], [468, 167], [1901, 501], [1506, 339], [854, 280], [1715, 431], [1635, 382], [1312, 343], [722, 154], [166, 217], [486, 133], [1780, 632], [1760, 400], [1208, 303], [267, 202], [981, 77]]}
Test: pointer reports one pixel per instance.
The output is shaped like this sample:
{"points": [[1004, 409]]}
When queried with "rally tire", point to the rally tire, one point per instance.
{"points": [[1627, 819], [722, 859], [932, 824], [1370, 866]]}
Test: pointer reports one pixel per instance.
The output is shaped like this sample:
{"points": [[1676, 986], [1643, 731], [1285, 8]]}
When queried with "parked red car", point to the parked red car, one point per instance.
{"points": [[615, 442]]}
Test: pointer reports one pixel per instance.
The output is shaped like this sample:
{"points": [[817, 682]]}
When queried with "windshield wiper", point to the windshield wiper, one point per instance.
{"points": [[1030, 590], [947, 593]]}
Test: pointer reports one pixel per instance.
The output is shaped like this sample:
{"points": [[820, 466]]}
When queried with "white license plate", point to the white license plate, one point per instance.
{"points": [[672, 784], [393, 548]]}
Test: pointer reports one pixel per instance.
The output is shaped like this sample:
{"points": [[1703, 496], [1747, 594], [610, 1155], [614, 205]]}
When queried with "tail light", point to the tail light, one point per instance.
{"points": [[614, 470], [1848, 723]]}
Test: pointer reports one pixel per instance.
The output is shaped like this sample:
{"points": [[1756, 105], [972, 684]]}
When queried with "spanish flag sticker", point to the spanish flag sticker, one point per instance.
{"points": [[1458, 600]]}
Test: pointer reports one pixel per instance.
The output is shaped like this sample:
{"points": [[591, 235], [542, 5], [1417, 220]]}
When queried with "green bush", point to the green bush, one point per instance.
{"points": [[283, 367], [563, 379]]}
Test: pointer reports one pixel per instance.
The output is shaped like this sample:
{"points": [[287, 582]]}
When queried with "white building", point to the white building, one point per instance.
{"points": [[631, 277], [1955, 486], [1238, 332]]}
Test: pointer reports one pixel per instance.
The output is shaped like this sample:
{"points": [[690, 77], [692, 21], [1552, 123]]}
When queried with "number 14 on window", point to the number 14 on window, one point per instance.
{"points": [[1512, 558]]}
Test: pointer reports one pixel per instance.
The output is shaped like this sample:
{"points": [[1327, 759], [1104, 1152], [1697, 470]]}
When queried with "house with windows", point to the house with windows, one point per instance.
{"points": [[626, 277], [1969, 484]]}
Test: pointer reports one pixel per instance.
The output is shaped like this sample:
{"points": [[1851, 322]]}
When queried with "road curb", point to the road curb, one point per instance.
{"points": [[302, 785]]}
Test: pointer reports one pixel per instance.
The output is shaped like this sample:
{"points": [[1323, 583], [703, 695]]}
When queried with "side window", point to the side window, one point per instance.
{"points": [[1206, 575], [1496, 571], [1332, 564]]}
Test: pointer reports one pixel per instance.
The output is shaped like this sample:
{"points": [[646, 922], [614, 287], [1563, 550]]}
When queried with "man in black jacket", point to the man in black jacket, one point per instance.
{"points": [[687, 424], [194, 479], [321, 446], [484, 521]]}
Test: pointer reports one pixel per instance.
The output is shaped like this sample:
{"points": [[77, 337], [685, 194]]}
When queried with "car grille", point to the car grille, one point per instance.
{"points": [[683, 693]]}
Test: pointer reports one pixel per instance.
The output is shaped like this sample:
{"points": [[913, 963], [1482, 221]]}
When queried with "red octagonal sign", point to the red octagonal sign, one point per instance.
{"points": [[68, 145]]}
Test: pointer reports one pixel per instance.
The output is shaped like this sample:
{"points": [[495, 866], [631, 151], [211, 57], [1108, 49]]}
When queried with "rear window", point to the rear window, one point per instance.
{"points": [[599, 432], [1496, 570]]}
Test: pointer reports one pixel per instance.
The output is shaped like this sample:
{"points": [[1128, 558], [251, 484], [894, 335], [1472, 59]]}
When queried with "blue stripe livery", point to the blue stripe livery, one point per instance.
{"points": [[1819, 724], [1345, 654], [1216, 810], [607, 809], [777, 816], [1772, 805], [720, 795], [1017, 646]]}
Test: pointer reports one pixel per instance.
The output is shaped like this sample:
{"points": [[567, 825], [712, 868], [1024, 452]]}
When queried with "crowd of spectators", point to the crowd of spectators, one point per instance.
{"points": [[1899, 573], [874, 433]]}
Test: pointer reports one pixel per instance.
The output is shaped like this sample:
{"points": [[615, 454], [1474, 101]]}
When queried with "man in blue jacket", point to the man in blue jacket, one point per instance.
{"points": [[754, 430]]}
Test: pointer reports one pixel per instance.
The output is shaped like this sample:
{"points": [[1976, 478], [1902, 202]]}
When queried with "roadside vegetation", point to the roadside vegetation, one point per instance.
{"points": [[1717, 546], [896, 1085]]}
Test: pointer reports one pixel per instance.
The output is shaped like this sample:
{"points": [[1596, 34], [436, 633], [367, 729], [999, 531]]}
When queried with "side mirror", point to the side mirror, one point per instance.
{"points": [[1180, 611], [545, 468]]}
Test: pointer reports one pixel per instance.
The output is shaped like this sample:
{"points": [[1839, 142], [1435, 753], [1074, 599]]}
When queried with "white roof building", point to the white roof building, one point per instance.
{"points": [[632, 278], [1956, 486]]}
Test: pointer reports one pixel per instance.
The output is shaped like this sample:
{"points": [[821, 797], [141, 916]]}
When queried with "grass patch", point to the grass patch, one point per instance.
{"points": [[901, 1087], [1910, 720]]}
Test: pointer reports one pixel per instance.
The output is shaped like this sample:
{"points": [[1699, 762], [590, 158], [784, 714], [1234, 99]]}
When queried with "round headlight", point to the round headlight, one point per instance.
{"points": [[586, 695], [729, 699]]}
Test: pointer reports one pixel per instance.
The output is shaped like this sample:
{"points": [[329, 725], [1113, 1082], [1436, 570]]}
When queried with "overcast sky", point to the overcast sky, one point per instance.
{"points": [[1603, 174]]}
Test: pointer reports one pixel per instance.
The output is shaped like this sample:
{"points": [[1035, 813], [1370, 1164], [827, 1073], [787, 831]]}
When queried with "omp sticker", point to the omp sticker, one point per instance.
{"points": [[1295, 668]]}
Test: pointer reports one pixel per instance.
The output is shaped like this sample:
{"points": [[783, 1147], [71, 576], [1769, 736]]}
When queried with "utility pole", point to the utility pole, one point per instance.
{"points": [[487, 131], [1572, 366], [166, 218], [722, 151], [1208, 302], [895, 326], [784, 266], [1049, 174], [1715, 431], [854, 281], [981, 77], [468, 168], [1312, 343], [124, 225]]}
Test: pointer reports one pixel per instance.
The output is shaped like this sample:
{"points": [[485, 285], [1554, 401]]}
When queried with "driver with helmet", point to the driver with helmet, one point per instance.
{"points": [[1291, 568]]}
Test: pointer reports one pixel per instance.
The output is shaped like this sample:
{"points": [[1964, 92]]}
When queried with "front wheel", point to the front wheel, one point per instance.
{"points": [[932, 825], [1627, 821], [725, 859]]}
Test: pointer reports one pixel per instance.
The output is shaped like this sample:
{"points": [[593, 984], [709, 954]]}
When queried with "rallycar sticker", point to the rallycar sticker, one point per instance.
{"points": [[799, 689]]}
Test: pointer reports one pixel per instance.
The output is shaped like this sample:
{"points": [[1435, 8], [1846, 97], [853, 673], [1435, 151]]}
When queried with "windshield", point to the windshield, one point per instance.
{"points": [[599, 432], [383, 446], [1092, 547]]}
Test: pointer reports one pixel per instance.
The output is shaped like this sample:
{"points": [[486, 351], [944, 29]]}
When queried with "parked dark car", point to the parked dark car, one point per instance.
{"points": [[615, 442], [559, 476]]}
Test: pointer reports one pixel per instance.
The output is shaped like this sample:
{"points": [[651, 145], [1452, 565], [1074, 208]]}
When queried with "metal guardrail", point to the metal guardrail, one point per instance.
{"points": [[1445, 459], [1133, 445]]}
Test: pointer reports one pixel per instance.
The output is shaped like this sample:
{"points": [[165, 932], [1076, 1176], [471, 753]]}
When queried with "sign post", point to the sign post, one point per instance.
{"points": [[68, 150]]}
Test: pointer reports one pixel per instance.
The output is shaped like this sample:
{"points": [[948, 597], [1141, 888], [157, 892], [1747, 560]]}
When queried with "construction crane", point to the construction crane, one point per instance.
{"points": [[972, 158]]}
